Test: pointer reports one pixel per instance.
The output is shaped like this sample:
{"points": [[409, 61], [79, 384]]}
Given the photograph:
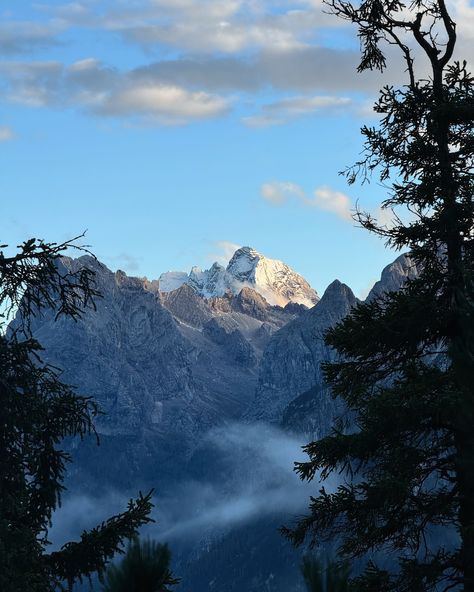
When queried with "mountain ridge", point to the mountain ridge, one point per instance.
{"points": [[271, 278], [169, 367]]}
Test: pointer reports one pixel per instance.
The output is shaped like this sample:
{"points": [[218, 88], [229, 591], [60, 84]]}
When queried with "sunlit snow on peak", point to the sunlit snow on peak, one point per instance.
{"points": [[272, 279]]}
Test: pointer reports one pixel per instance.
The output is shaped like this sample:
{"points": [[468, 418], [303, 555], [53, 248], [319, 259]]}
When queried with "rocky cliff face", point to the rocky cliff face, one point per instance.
{"points": [[166, 364], [291, 362], [128, 354], [394, 276]]}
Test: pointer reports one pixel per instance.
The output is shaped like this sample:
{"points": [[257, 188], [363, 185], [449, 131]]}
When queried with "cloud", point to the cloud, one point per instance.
{"points": [[71, 14], [204, 36], [290, 108], [202, 26], [213, 55], [332, 201], [34, 84], [323, 198], [6, 134], [259, 481], [303, 105], [326, 199], [163, 104], [222, 251], [90, 85], [278, 192], [304, 70], [170, 92], [19, 37], [464, 16]]}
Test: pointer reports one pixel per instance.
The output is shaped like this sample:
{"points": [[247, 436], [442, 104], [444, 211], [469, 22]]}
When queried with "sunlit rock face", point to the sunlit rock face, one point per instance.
{"points": [[272, 279]]}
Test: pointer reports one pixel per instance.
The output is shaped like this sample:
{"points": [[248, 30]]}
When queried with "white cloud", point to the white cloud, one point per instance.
{"points": [[212, 51], [204, 26], [6, 134], [85, 65], [324, 198], [223, 36], [278, 192], [163, 103], [327, 199], [332, 201], [463, 15], [290, 108]]}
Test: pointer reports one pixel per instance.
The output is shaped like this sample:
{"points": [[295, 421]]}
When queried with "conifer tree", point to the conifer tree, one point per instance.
{"points": [[37, 411], [406, 360], [144, 568], [328, 576]]}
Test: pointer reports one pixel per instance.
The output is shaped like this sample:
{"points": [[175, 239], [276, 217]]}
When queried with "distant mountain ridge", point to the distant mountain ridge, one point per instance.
{"points": [[172, 363], [172, 359], [272, 279]]}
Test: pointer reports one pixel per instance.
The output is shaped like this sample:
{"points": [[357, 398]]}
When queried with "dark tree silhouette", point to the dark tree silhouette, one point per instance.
{"points": [[144, 568], [328, 576], [37, 411], [406, 359]]}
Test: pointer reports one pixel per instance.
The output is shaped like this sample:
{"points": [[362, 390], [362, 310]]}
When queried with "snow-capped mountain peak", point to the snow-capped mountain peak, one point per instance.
{"points": [[272, 279]]}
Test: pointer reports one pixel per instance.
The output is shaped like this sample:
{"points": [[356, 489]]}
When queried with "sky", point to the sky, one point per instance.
{"points": [[175, 131]]}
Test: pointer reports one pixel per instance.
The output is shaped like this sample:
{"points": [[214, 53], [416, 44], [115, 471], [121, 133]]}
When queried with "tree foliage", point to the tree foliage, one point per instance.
{"points": [[37, 411], [406, 359], [144, 568], [329, 576]]}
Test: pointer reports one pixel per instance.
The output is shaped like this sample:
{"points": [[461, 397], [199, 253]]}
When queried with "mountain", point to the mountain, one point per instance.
{"points": [[291, 362], [209, 383], [165, 367], [270, 278], [394, 276]]}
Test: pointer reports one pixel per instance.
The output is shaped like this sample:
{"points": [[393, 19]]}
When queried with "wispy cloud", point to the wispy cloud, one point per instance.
{"points": [[323, 198], [222, 251], [6, 134], [201, 26], [278, 192], [19, 37], [327, 199], [281, 111], [259, 481]]}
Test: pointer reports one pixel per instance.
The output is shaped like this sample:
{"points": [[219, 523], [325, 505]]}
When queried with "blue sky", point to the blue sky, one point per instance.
{"points": [[176, 130]]}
